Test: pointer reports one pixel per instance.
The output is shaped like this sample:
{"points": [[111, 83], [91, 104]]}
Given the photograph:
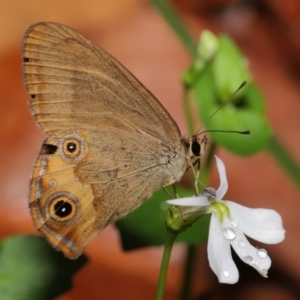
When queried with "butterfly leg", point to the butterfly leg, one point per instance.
{"points": [[175, 191], [169, 194], [196, 173]]}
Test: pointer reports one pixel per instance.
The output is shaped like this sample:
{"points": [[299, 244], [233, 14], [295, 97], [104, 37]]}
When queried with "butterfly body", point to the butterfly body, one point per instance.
{"points": [[110, 143]]}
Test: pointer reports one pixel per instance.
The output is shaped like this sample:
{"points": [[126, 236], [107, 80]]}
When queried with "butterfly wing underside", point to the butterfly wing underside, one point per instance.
{"points": [[110, 144]]}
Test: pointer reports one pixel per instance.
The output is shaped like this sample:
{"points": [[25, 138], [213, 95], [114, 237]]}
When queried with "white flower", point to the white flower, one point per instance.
{"points": [[229, 224]]}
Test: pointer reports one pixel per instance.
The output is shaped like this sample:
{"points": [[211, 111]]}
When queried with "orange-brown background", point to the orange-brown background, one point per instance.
{"points": [[135, 34]]}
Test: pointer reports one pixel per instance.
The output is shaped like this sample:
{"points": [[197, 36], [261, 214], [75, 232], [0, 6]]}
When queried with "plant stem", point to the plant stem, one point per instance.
{"points": [[284, 159], [171, 236], [189, 268], [175, 22]]}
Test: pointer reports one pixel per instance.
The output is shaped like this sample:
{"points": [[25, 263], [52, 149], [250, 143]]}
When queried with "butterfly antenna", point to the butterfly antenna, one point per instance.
{"points": [[221, 106]]}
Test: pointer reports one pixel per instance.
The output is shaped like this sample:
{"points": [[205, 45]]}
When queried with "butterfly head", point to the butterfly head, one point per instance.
{"points": [[197, 144]]}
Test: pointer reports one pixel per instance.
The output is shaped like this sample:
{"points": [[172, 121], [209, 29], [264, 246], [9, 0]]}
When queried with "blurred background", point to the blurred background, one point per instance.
{"points": [[268, 33]]}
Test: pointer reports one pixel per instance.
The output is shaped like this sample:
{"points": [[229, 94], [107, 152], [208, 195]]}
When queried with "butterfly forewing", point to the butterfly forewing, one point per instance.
{"points": [[61, 66]]}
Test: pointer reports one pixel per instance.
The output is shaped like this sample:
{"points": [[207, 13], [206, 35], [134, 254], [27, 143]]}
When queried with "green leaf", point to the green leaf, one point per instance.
{"points": [[244, 112], [31, 269], [239, 144], [230, 68], [146, 226]]}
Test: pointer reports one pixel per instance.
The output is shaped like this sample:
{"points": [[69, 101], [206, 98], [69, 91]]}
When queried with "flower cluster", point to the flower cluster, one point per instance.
{"points": [[229, 224]]}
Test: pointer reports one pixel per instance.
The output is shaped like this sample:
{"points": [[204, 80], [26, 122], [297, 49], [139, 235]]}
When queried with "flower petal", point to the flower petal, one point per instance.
{"points": [[190, 201], [254, 257], [219, 254], [221, 191], [263, 225]]}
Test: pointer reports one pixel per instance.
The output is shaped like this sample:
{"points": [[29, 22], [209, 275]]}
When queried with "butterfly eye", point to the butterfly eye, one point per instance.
{"points": [[196, 148], [63, 208]]}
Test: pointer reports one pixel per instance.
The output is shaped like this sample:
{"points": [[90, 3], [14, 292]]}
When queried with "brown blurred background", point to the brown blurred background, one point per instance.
{"points": [[268, 32]]}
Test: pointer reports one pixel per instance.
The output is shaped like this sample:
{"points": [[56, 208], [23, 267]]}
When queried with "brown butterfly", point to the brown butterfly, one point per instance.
{"points": [[110, 143]]}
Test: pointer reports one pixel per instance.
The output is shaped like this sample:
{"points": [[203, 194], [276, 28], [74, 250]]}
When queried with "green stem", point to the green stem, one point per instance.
{"points": [[189, 269], [171, 236], [170, 15], [284, 159]]}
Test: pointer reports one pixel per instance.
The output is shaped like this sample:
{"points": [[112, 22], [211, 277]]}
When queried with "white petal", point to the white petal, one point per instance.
{"points": [[221, 191], [264, 225], [190, 201], [219, 254], [254, 257]]}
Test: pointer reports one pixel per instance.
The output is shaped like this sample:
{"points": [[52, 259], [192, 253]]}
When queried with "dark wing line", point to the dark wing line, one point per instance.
{"points": [[35, 199], [117, 97], [42, 47], [74, 113], [30, 63], [56, 76], [50, 102], [125, 175]]}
